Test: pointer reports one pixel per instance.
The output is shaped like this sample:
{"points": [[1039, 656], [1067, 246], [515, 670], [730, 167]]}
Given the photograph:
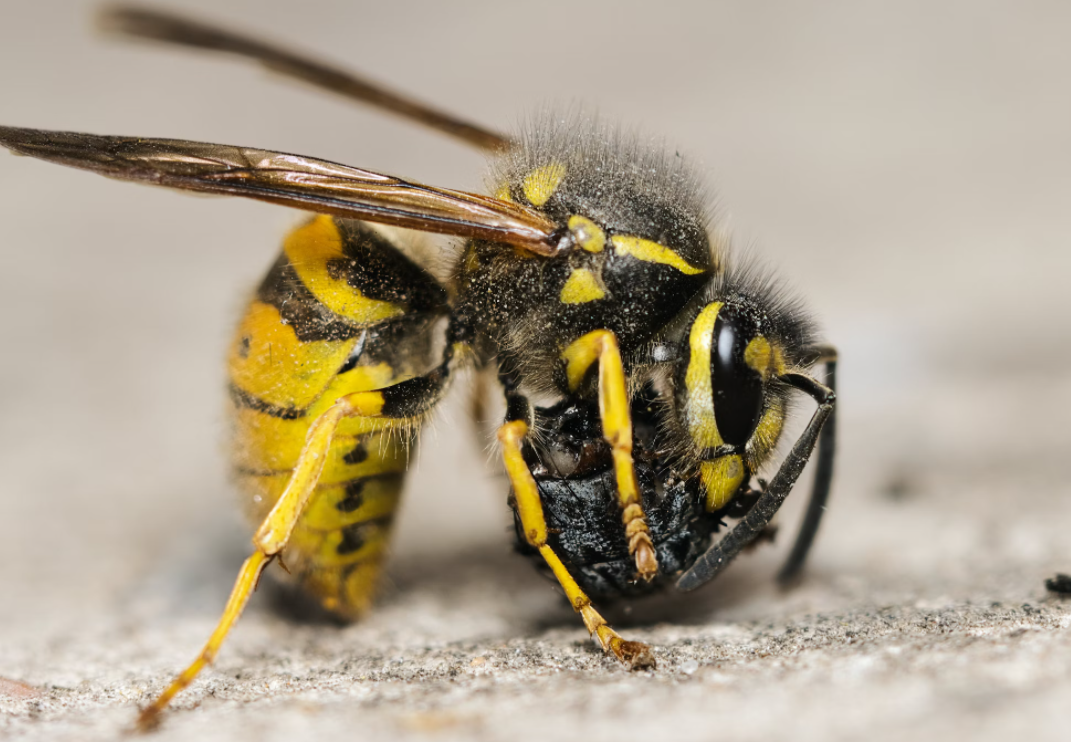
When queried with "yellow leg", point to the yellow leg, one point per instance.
{"points": [[272, 536], [636, 654], [243, 589], [601, 346]]}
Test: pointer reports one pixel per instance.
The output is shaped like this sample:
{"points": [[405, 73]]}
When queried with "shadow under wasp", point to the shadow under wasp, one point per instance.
{"points": [[589, 278]]}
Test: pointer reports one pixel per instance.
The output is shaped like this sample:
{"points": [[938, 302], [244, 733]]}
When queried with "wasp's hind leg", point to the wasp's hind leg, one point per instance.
{"points": [[406, 400], [530, 510], [600, 346]]}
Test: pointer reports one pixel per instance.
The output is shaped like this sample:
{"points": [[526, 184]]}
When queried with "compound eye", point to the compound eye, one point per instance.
{"points": [[739, 360]]}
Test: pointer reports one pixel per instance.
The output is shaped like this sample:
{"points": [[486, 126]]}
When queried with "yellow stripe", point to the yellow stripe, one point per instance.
{"points": [[581, 287], [721, 478], [265, 443], [309, 248], [269, 362], [540, 184], [699, 411], [651, 252], [587, 233]]}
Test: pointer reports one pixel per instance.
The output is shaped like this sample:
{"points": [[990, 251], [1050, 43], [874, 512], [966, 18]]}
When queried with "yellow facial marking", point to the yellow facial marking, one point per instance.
{"points": [[766, 433], [721, 478], [764, 358], [581, 287], [503, 194], [540, 184], [758, 355], [587, 234], [699, 407], [652, 252], [309, 248]]}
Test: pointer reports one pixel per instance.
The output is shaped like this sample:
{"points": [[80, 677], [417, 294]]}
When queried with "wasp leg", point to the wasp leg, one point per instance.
{"points": [[601, 346], [407, 399], [511, 435], [718, 556]]}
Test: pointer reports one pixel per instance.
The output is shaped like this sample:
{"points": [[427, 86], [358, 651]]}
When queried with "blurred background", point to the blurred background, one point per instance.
{"points": [[905, 166]]}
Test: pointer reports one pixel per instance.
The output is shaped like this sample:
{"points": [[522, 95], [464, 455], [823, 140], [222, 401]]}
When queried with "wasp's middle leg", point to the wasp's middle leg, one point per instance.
{"points": [[530, 510], [600, 346]]}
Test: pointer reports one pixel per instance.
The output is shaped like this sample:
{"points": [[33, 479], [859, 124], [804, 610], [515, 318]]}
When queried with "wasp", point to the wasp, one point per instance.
{"points": [[589, 279]]}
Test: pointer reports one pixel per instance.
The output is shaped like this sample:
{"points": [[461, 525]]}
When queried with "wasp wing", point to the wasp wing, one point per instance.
{"points": [[144, 23], [291, 180]]}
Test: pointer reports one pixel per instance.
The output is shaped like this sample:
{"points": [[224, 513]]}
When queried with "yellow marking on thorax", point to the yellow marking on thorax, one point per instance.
{"points": [[582, 286], [702, 426], [587, 233], [652, 252], [269, 362], [309, 248], [540, 184], [503, 194], [721, 478]]}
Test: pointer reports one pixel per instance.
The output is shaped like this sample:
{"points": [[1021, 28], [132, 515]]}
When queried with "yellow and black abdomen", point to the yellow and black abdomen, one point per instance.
{"points": [[343, 310]]}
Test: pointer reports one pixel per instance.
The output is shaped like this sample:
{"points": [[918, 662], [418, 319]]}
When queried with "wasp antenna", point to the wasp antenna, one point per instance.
{"points": [[823, 480], [144, 23], [718, 557]]}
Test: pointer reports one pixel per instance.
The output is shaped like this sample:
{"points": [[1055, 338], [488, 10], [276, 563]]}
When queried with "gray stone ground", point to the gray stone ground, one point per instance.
{"points": [[905, 164]]}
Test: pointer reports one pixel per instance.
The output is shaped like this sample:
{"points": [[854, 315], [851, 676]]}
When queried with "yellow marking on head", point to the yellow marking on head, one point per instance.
{"points": [[309, 248], [587, 233], [758, 355], [764, 358], [721, 478], [503, 194], [540, 184], [652, 252], [581, 287], [766, 433], [699, 406]]}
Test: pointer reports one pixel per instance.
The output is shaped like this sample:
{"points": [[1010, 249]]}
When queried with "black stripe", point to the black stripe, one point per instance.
{"points": [[355, 536], [244, 399], [358, 454], [311, 321], [354, 498], [382, 272]]}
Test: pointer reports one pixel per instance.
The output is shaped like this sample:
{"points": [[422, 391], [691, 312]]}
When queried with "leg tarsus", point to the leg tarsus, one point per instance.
{"points": [[248, 577]]}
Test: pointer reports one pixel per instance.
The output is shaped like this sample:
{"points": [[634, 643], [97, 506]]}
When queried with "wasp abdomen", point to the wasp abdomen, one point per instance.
{"points": [[343, 310]]}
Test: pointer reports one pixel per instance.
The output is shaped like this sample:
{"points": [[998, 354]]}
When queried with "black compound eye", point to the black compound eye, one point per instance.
{"points": [[738, 388]]}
